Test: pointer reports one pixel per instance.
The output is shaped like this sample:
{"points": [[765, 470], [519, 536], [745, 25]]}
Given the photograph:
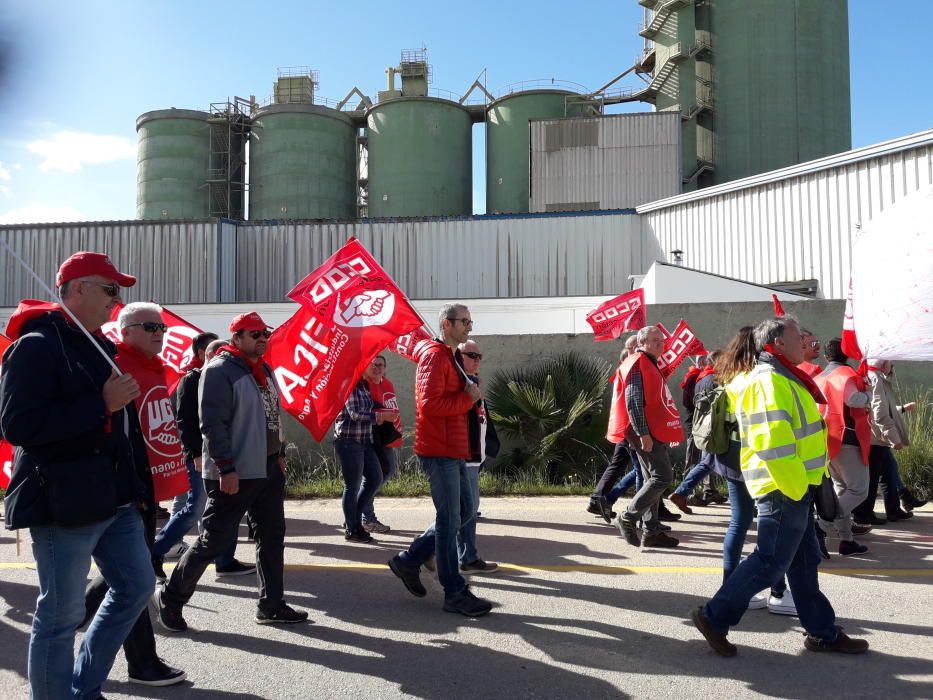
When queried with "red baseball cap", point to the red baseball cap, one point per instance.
{"points": [[84, 264], [248, 322]]}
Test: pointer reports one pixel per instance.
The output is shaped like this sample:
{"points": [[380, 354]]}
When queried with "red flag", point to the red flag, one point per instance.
{"points": [[850, 344], [778, 307], [681, 343], [666, 333], [350, 311], [612, 318], [6, 449], [176, 353], [406, 345]]}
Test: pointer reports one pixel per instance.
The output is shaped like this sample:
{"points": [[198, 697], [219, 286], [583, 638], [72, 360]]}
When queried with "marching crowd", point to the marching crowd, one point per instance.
{"points": [[803, 447]]}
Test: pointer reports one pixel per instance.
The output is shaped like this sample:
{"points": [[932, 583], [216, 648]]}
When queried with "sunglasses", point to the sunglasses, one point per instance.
{"points": [[256, 335], [474, 355], [111, 289], [150, 326], [465, 321]]}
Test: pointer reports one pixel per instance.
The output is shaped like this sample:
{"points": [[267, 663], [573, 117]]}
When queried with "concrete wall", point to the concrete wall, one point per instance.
{"points": [[713, 323]]}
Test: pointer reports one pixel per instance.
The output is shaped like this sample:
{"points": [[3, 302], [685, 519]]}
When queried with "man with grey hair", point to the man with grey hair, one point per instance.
{"points": [[783, 456], [650, 422], [443, 399]]}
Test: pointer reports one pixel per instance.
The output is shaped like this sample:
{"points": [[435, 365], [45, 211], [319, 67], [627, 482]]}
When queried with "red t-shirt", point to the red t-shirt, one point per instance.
{"points": [[384, 393]]}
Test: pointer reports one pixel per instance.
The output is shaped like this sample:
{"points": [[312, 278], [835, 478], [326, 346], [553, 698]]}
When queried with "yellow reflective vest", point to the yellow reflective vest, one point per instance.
{"points": [[782, 433]]}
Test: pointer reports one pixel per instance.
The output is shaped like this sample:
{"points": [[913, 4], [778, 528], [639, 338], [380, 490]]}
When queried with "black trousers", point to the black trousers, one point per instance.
{"points": [[139, 646], [879, 470], [263, 500], [620, 463]]}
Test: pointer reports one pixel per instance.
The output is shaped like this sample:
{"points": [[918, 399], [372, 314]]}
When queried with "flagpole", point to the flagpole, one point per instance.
{"points": [[69, 312]]}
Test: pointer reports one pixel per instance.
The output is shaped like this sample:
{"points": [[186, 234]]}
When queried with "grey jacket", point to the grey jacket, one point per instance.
{"points": [[233, 421], [888, 426]]}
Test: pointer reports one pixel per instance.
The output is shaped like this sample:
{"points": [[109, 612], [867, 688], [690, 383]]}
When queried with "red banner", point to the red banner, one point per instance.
{"points": [[612, 318], [176, 343], [6, 449], [406, 345], [350, 311], [678, 346]]}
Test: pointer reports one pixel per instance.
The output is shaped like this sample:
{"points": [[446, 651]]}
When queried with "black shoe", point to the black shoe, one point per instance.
{"points": [[593, 507], [860, 529], [467, 604], [359, 535], [169, 617], [162, 514], [658, 539], [715, 497], [664, 528], [159, 571], [235, 568], [843, 644], [869, 520], [410, 575], [900, 515], [605, 510], [628, 530], [909, 501], [158, 674], [664, 515], [479, 567], [282, 615], [848, 548]]}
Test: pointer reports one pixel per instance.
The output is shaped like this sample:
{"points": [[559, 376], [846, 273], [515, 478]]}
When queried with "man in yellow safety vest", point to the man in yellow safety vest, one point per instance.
{"points": [[783, 456]]}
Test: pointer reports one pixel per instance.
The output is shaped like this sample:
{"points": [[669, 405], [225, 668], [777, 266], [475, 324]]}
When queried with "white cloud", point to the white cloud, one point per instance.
{"points": [[68, 151], [40, 214], [4, 190], [5, 173]]}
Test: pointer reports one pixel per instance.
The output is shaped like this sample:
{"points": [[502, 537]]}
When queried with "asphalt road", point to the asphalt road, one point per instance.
{"points": [[578, 614]]}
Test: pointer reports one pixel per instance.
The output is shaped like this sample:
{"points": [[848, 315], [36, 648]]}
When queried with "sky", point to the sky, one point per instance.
{"points": [[77, 74]]}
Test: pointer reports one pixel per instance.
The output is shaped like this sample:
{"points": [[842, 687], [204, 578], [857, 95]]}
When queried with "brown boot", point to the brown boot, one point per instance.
{"points": [[681, 503], [843, 644], [716, 640]]}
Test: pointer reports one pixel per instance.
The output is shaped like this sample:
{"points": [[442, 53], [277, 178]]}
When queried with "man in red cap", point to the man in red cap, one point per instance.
{"points": [[80, 470], [244, 472]]}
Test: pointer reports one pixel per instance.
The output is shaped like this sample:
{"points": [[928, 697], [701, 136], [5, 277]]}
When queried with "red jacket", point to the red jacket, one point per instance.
{"points": [[441, 404]]}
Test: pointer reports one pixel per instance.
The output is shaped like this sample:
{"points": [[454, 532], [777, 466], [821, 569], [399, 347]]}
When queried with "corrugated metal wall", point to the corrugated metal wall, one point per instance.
{"points": [[790, 229], [174, 261], [475, 257], [612, 162]]}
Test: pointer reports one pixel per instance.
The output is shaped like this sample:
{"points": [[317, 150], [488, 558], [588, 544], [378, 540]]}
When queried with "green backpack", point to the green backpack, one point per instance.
{"points": [[711, 424]]}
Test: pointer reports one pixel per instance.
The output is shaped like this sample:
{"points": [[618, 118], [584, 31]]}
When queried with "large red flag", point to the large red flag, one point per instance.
{"points": [[850, 344], [177, 353], [6, 449], [612, 318], [681, 343], [405, 345], [350, 311]]}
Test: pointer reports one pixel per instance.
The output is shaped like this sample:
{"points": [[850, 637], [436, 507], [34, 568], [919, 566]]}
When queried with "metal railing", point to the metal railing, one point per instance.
{"points": [[541, 84]]}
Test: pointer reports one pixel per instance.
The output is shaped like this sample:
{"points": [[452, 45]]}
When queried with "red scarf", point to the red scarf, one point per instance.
{"points": [[706, 371], [691, 373], [195, 363], [257, 367], [804, 378]]}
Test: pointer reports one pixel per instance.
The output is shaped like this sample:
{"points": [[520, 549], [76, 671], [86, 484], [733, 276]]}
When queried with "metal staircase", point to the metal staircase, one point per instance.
{"points": [[662, 10]]}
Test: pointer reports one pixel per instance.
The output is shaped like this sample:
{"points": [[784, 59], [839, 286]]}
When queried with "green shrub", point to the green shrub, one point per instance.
{"points": [[916, 461]]}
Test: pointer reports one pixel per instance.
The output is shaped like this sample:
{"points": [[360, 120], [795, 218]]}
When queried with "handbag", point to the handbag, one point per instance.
{"points": [[826, 501]]}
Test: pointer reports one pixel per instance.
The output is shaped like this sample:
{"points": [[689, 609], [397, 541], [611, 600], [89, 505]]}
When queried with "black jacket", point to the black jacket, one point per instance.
{"points": [[492, 439], [185, 400], [52, 409]]}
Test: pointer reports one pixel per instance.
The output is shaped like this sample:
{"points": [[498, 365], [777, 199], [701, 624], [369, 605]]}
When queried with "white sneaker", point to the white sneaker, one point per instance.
{"points": [[782, 606], [758, 601], [176, 551]]}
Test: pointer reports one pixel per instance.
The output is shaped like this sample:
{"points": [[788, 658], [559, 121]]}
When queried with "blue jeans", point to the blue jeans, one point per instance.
{"points": [[450, 491], [185, 518], [466, 536], [63, 559], [696, 475], [786, 543], [625, 483], [388, 471], [743, 512], [362, 477]]}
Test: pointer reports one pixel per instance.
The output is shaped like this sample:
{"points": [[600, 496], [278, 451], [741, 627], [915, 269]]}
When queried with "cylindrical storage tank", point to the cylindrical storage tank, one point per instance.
{"points": [[781, 83], [302, 163], [508, 143], [173, 158], [420, 158]]}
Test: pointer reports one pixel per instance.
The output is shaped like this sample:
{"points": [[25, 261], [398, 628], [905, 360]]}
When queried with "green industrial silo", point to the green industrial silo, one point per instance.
{"points": [[420, 158], [508, 144], [302, 163], [781, 83], [173, 158]]}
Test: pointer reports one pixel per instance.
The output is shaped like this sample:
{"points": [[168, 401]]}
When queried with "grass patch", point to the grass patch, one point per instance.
{"points": [[916, 461]]}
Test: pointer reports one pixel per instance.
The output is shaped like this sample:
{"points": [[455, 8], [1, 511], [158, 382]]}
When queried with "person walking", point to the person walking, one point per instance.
{"points": [[443, 400], [783, 454], [848, 423], [244, 472], [811, 353], [79, 475], [650, 422], [387, 436]]}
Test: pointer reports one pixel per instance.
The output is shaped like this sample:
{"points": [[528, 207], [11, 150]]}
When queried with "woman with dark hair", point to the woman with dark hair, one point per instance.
{"points": [[739, 358]]}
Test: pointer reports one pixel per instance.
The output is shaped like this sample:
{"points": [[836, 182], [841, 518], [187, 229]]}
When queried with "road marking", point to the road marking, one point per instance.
{"points": [[573, 568]]}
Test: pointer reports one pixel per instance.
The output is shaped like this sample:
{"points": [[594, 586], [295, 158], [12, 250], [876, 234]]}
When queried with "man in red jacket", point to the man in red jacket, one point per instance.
{"points": [[443, 399]]}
